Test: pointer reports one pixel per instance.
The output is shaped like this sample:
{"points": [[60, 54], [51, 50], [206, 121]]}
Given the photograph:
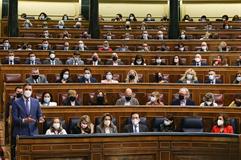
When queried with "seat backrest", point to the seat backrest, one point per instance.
{"points": [[157, 121], [234, 123], [192, 124], [219, 99], [72, 123], [13, 78]]}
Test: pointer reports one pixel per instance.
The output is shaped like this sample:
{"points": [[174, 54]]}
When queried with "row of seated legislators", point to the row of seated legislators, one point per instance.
{"points": [[189, 77], [131, 17], [114, 60], [182, 98], [135, 124], [105, 47]]}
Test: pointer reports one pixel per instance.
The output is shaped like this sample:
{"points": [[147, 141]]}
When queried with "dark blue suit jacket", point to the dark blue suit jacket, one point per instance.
{"points": [[83, 80], [189, 102], [19, 112]]}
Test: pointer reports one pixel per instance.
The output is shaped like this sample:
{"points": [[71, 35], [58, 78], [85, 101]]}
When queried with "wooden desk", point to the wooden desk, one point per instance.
{"points": [[125, 146]]}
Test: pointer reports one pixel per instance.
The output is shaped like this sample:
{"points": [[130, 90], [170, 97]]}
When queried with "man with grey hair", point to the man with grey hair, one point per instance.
{"points": [[128, 99], [36, 77], [114, 60], [183, 98]]}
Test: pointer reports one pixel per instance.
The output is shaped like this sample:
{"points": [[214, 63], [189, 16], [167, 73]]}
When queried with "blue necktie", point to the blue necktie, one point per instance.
{"points": [[27, 107]]}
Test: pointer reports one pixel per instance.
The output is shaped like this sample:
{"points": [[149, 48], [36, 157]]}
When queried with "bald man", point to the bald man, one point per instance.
{"points": [[128, 99]]}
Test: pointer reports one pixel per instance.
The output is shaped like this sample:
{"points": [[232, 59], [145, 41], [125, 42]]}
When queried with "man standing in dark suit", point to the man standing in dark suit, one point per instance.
{"points": [[87, 78], [136, 126], [26, 113], [183, 98]]}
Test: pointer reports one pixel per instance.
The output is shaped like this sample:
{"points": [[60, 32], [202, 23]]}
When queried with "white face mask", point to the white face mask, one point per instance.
{"points": [[81, 45], [145, 36], [65, 76], [27, 93], [204, 48], [153, 99], [11, 58], [176, 60], [56, 125], [32, 58], [226, 27], [135, 121], [181, 49], [45, 45], [208, 103], [189, 76], [131, 18], [46, 99], [220, 122], [108, 37], [107, 123], [158, 60], [211, 77], [160, 36], [138, 62], [167, 122], [61, 27], [66, 48], [197, 60], [238, 79], [109, 77], [87, 76], [183, 36]]}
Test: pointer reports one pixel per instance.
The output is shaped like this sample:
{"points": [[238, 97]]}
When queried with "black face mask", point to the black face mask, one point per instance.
{"points": [[18, 95], [100, 100], [72, 98], [131, 77], [181, 97], [238, 103], [94, 59], [128, 98], [35, 76], [114, 58]]}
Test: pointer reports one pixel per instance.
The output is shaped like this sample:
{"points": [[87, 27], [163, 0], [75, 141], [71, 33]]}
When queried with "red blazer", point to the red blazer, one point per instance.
{"points": [[227, 129]]}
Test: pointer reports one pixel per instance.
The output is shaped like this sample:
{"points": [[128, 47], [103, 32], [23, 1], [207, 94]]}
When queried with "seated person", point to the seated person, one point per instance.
{"points": [[183, 35], [132, 77], [106, 125], [81, 46], [27, 24], [6, 45], [127, 36], [122, 48], [238, 62], [56, 128], [207, 35], [75, 60], [204, 47], [117, 18], [180, 47], [187, 18], [85, 35], [45, 45], [159, 78], [36, 77], [60, 24], [236, 18], [183, 98], [64, 77], [108, 36], [139, 60], [52, 60], [145, 35], [136, 126], [218, 61], [149, 18], [87, 77], [208, 100], [77, 25], [177, 60], [128, 99], [158, 61], [189, 77], [163, 47], [109, 78], [95, 60], [46, 34], [222, 125], [98, 99], [65, 35], [45, 25], [43, 16], [212, 78], [32, 60], [84, 126], [71, 100], [128, 26], [203, 18], [47, 100], [236, 102], [155, 99], [198, 61], [131, 18], [223, 47], [168, 124], [11, 59], [237, 78], [160, 35], [143, 26], [145, 48], [65, 17], [105, 48], [114, 60]]}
